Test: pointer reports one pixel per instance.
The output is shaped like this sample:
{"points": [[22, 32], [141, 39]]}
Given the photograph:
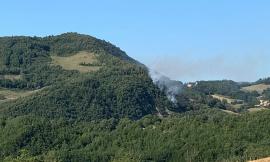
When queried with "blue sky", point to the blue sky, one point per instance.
{"points": [[186, 40]]}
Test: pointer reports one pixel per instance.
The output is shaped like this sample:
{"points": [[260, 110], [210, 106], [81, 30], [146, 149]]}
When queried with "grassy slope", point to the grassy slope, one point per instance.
{"points": [[120, 89], [261, 160], [15, 94], [73, 62], [12, 77], [258, 87]]}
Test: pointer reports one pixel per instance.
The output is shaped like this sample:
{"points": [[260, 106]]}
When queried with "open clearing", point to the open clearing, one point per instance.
{"points": [[230, 112], [221, 97], [11, 77], [73, 62], [258, 87], [255, 109], [261, 160], [7, 95], [232, 102]]}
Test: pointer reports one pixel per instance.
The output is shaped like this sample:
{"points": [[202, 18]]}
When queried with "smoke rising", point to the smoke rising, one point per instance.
{"points": [[170, 87], [238, 67]]}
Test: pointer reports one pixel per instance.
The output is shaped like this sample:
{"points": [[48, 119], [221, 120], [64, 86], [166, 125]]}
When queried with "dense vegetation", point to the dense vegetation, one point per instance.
{"points": [[266, 94], [116, 113], [265, 81], [228, 88], [203, 136], [122, 88]]}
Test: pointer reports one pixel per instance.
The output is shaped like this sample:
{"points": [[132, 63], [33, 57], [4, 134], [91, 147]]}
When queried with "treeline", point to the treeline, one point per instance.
{"points": [[202, 136], [264, 81]]}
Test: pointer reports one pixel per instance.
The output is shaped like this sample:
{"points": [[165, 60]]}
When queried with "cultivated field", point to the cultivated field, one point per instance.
{"points": [[74, 62], [258, 87]]}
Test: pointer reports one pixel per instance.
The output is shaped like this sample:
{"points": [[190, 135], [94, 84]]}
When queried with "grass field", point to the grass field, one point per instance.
{"points": [[11, 77], [230, 112], [73, 62], [258, 87], [8, 94], [229, 101], [221, 97], [255, 109], [261, 160]]}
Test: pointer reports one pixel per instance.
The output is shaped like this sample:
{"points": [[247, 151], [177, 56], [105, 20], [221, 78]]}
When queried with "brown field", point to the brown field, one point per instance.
{"points": [[259, 88], [12, 94], [73, 62], [261, 160]]}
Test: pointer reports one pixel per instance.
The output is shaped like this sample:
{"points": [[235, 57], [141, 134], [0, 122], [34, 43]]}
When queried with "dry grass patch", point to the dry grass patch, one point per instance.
{"points": [[234, 103], [7, 94], [228, 99], [221, 97], [230, 112], [261, 160], [11, 77], [255, 109], [74, 62], [258, 87]]}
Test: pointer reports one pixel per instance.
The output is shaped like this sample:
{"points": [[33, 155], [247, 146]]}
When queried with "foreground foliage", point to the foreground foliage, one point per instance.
{"points": [[207, 135]]}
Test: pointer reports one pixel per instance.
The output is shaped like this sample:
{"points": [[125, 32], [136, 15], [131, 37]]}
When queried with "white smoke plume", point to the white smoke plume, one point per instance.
{"points": [[249, 67], [170, 87]]}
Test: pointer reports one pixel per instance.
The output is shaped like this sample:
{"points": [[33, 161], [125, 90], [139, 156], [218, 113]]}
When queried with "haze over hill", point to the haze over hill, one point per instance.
{"points": [[246, 67]]}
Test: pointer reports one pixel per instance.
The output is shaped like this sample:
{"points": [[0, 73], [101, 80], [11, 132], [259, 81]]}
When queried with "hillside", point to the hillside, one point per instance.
{"points": [[83, 79], [73, 97]]}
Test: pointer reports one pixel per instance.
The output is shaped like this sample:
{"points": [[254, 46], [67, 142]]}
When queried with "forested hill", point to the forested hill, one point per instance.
{"points": [[73, 97], [75, 77]]}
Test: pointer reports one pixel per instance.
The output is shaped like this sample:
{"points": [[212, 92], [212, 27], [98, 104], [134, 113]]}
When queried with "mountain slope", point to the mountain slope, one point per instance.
{"points": [[83, 99], [118, 88]]}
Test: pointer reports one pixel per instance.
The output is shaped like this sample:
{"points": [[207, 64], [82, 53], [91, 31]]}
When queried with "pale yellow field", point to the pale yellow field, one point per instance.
{"points": [[259, 88], [255, 109], [221, 97], [261, 160], [11, 77], [230, 112], [73, 62], [12, 94]]}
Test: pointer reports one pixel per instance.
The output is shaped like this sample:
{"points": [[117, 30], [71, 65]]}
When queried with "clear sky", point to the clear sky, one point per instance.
{"points": [[186, 40]]}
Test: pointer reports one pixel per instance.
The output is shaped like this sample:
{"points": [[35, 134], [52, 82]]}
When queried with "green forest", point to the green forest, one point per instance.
{"points": [[51, 111]]}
